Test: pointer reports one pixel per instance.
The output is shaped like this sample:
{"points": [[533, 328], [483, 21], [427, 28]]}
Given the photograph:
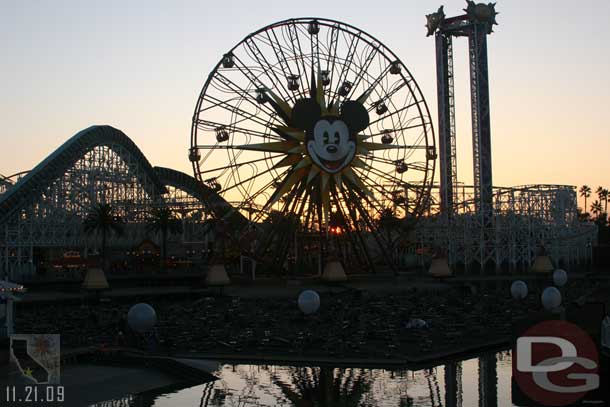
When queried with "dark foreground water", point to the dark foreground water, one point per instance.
{"points": [[483, 381]]}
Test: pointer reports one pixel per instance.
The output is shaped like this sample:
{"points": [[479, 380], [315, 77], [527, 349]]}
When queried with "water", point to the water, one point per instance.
{"points": [[268, 385]]}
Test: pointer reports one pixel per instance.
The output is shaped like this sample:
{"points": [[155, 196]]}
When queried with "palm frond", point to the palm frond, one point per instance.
{"points": [[163, 220], [100, 218]]}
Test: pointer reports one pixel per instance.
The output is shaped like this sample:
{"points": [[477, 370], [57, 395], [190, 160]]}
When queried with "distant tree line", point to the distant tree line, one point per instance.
{"points": [[598, 210]]}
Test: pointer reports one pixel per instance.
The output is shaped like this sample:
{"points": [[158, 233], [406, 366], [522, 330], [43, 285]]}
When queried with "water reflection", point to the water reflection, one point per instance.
{"points": [[482, 381], [324, 386]]}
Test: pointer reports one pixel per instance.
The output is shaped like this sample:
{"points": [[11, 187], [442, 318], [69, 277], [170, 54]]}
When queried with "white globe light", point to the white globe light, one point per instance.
{"points": [[551, 298], [518, 290], [560, 277], [309, 302], [141, 317]]}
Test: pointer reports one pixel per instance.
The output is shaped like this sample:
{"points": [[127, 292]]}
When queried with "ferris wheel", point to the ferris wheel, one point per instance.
{"points": [[314, 121]]}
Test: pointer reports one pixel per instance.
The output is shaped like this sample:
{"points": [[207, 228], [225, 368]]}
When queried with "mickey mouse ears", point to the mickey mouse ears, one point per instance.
{"points": [[306, 112], [355, 116]]}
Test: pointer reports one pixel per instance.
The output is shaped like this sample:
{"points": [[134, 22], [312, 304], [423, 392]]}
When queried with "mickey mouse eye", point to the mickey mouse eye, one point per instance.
{"points": [[326, 137], [337, 138]]}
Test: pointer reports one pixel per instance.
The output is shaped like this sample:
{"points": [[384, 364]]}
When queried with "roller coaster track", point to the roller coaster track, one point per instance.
{"points": [[24, 187]]}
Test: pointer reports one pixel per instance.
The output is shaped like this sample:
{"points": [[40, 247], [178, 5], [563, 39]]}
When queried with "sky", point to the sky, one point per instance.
{"points": [[140, 65]]}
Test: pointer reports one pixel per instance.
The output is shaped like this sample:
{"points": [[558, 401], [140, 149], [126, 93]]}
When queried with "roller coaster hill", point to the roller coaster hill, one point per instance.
{"points": [[42, 213], [42, 210]]}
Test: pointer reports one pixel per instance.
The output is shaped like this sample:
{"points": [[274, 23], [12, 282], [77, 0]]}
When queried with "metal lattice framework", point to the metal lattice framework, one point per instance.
{"points": [[195, 202], [524, 219], [46, 207], [504, 226], [319, 122], [7, 182], [475, 25], [446, 121]]}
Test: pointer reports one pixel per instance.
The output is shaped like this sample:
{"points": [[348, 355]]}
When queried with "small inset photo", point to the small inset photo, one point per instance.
{"points": [[34, 358]]}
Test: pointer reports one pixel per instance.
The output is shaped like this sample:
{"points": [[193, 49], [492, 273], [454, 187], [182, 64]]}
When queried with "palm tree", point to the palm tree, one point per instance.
{"points": [[103, 219], [585, 192], [596, 208], [276, 236], [604, 195], [583, 216], [394, 230], [163, 220], [389, 223], [325, 386]]}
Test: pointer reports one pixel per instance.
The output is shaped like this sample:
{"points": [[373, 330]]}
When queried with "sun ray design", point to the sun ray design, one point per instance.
{"points": [[289, 160], [320, 143], [290, 133]]}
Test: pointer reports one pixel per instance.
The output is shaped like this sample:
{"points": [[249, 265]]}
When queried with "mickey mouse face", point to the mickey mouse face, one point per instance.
{"points": [[331, 147], [330, 140]]}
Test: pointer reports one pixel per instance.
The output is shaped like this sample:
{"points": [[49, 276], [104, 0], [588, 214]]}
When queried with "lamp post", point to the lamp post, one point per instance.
{"points": [[8, 327], [7, 294]]}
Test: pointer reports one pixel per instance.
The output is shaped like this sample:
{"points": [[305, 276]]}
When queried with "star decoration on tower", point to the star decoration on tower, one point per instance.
{"points": [[434, 21]]}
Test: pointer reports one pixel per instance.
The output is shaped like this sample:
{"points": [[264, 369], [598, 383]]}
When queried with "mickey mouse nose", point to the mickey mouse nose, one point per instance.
{"points": [[331, 149]]}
